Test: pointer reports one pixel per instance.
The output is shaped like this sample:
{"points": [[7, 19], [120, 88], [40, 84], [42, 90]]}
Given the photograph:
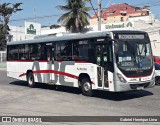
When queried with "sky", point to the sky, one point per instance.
{"points": [[46, 13]]}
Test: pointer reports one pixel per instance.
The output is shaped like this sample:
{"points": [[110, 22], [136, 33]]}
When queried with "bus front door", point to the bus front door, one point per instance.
{"points": [[102, 61]]}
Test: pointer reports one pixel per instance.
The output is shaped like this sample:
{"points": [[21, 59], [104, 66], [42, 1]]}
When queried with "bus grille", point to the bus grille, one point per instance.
{"points": [[134, 86]]}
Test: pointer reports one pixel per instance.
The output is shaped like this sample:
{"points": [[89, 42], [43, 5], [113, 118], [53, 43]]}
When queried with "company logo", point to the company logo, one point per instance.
{"points": [[6, 119], [31, 30], [119, 25], [140, 65], [129, 24], [112, 26]]}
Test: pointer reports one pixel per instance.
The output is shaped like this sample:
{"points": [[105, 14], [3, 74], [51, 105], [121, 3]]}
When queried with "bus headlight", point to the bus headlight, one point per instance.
{"points": [[121, 78]]}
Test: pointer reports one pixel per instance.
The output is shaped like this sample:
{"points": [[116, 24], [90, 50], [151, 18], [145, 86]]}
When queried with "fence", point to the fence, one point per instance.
{"points": [[3, 55]]}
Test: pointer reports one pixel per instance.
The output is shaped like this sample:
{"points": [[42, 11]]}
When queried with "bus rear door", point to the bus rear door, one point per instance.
{"points": [[49, 55]]}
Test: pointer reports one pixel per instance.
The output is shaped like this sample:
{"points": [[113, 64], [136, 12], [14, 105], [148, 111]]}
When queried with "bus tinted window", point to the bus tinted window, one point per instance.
{"points": [[13, 53], [35, 51], [63, 50], [23, 52], [75, 50], [83, 50]]}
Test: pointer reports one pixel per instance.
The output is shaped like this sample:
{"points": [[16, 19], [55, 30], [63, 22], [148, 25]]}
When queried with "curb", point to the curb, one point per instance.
{"points": [[2, 69]]}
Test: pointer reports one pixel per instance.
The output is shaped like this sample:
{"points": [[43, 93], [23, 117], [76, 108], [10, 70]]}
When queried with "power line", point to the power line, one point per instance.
{"points": [[151, 4], [33, 18], [93, 8]]}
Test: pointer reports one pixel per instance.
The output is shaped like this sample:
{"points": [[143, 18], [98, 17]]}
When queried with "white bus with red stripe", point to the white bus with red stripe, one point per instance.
{"points": [[109, 60]]}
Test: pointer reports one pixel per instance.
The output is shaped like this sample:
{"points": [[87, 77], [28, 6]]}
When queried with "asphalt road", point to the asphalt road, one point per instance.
{"points": [[17, 99]]}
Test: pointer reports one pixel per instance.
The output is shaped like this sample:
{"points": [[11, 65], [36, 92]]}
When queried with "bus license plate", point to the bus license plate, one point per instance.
{"points": [[140, 87]]}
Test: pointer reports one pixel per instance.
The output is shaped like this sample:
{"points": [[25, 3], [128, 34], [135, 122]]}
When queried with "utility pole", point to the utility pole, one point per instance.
{"points": [[99, 15]]}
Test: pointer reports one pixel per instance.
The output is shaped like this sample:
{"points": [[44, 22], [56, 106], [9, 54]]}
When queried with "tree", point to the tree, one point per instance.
{"points": [[75, 18], [6, 10]]}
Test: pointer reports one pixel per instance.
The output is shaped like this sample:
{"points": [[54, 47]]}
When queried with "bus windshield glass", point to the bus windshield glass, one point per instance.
{"points": [[134, 56]]}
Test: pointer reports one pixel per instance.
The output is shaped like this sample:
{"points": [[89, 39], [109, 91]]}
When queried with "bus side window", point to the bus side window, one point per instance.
{"points": [[83, 50], [63, 51], [35, 51], [75, 54], [91, 55], [23, 52]]}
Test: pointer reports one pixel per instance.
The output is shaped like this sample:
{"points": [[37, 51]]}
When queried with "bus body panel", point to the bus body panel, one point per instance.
{"points": [[103, 76]]}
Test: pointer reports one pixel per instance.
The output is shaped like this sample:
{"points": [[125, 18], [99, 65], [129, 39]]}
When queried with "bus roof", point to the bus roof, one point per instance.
{"points": [[70, 36]]}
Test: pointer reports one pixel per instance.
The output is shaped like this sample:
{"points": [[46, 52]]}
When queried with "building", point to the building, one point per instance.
{"points": [[30, 30], [119, 13], [124, 16]]}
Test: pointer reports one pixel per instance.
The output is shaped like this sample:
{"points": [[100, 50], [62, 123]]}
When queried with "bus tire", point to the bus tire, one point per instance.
{"points": [[30, 80], [157, 81], [86, 87]]}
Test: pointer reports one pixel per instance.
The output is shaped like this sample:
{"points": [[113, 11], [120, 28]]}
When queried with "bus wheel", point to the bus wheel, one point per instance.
{"points": [[86, 87], [157, 80], [30, 79]]}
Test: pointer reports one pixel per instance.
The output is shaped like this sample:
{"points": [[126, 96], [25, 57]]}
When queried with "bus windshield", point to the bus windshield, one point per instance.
{"points": [[134, 57]]}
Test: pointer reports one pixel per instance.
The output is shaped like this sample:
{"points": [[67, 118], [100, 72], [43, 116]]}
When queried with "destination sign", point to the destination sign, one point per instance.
{"points": [[130, 36]]}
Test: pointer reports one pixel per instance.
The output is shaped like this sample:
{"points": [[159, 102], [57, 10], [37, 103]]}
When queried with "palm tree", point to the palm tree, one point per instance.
{"points": [[6, 11], [75, 18]]}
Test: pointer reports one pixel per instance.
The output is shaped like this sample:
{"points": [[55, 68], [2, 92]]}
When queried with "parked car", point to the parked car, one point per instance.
{"points": [[157, 69]]}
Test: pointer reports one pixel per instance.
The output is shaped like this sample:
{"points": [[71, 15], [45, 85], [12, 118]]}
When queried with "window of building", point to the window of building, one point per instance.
{"points": [[122, 19]]}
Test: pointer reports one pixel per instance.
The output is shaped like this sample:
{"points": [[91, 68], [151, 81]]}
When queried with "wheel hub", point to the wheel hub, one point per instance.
{"points": [[30, 80], [87, 86]]}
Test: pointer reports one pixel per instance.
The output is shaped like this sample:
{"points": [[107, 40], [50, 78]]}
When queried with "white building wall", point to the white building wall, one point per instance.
{"points": [[52, 31], [147, 19], [18, 33]]}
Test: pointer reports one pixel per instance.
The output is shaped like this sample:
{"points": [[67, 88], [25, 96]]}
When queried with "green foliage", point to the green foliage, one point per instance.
{"points": [[2, 38], [6, 10], [75, 18]]}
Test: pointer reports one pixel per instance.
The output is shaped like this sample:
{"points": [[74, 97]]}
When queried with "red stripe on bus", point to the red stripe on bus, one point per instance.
{"points": [[52, 71], [55, 72], [22, 75]]}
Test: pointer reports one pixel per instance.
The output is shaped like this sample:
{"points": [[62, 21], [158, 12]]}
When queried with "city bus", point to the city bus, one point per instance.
{"points": [[118, 60]]}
